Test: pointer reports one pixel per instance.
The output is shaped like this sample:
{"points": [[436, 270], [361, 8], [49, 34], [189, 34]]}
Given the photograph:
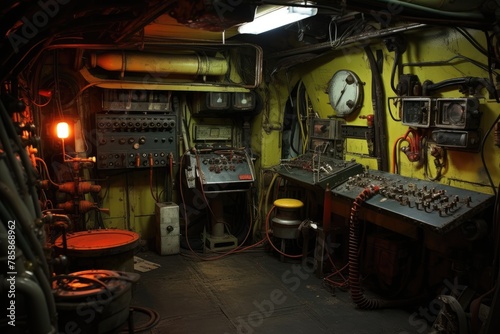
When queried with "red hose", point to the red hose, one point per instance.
{"points": [[354, 278]]}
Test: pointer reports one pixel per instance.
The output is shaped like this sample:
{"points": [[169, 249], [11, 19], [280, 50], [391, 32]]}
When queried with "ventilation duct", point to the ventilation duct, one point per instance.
{"points": [[189, 64], [183, 67]]}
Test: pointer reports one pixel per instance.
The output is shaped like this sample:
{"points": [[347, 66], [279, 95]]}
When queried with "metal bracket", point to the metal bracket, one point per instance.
{"points": [[353, 131]]}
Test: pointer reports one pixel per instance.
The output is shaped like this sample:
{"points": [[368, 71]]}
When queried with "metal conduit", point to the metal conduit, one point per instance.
{"points": [[38, 313], [193, 64], [447, 5]]}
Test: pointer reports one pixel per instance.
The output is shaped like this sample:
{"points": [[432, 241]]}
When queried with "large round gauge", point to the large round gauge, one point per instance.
{"points": [[345, 92]]}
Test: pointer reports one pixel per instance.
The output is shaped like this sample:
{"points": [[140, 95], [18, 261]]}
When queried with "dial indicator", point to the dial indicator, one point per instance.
{"points": [[345, 92]]}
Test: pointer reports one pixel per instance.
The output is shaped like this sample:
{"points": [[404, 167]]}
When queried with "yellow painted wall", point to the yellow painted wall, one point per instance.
{"points": [[465, 169], [130, 201]]}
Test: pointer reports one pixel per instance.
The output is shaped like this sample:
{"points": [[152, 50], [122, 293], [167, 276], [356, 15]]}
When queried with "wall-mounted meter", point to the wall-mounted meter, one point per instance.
{"points": [[213, 133], [457, 139], [326, 128], [345, 92], [218, 100], [458, 113], [326, 136], [416, 112], [243, 100], [137, 100], [224, 104]]}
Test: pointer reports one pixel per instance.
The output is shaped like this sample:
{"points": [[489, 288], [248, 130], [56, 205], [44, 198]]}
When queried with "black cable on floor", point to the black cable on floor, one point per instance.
{"points": [[154, 318]]}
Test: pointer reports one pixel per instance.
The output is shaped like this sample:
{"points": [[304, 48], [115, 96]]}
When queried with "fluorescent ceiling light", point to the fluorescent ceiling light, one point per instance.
{"points": [[276, 16]]}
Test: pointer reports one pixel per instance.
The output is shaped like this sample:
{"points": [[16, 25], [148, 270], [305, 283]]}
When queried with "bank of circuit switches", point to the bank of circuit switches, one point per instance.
{"points": [[423, 198]]}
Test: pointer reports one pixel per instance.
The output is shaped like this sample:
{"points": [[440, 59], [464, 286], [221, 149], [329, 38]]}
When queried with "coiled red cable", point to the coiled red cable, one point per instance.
{"points": [[354, 277]]}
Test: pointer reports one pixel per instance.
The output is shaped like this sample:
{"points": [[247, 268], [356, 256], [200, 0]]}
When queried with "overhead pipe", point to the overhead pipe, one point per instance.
{"points": [[190, 64], [429, 87], [458, 9], [444, 5], [365, 37]]}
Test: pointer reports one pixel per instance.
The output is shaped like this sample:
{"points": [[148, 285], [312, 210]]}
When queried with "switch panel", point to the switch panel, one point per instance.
{"points": [[222, 170], [135, 141], [436, 206], [312, 169]]}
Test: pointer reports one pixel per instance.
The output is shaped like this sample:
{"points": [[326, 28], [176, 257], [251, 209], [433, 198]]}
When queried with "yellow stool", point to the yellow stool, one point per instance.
{"points": [[287, 220]]}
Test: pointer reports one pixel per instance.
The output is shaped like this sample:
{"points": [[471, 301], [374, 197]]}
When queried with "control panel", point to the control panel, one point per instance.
{"points": [[434, 205], [318, 170], [135, 141], [220, 170]]}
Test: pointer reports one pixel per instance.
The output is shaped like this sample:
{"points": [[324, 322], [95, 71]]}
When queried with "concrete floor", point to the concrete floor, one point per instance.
{"points": [[254, 292]]}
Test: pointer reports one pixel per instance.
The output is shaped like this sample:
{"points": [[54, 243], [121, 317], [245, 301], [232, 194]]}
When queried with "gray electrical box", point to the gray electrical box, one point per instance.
{"points": [[167, 228]]}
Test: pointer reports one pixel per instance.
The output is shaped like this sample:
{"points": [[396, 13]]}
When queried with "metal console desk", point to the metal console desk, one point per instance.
{"points": [[407, 206]]}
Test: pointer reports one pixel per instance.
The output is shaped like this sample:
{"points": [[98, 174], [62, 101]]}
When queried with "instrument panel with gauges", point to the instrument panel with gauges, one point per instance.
{"points": [[449, 113], [454, 122]]}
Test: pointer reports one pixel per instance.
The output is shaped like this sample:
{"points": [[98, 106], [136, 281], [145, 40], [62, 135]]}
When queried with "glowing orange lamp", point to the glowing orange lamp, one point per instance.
{"points": [[62, 130]]}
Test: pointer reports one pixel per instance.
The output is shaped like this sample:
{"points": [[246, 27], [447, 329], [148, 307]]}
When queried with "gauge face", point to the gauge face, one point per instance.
{"points": [[345, 92], [455, 113], [416, 112]]}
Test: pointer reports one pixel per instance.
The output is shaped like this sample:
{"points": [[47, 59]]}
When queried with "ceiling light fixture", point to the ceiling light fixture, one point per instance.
{"points": [[271, 17]]}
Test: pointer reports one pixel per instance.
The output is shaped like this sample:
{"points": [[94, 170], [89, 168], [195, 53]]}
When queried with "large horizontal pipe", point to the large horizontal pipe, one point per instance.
{"points": [[160, 63]]}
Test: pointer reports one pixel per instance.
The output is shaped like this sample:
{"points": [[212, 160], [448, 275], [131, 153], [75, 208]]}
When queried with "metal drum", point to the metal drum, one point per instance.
{"points": [[287, 219], [93, 301], [99, 249]]}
